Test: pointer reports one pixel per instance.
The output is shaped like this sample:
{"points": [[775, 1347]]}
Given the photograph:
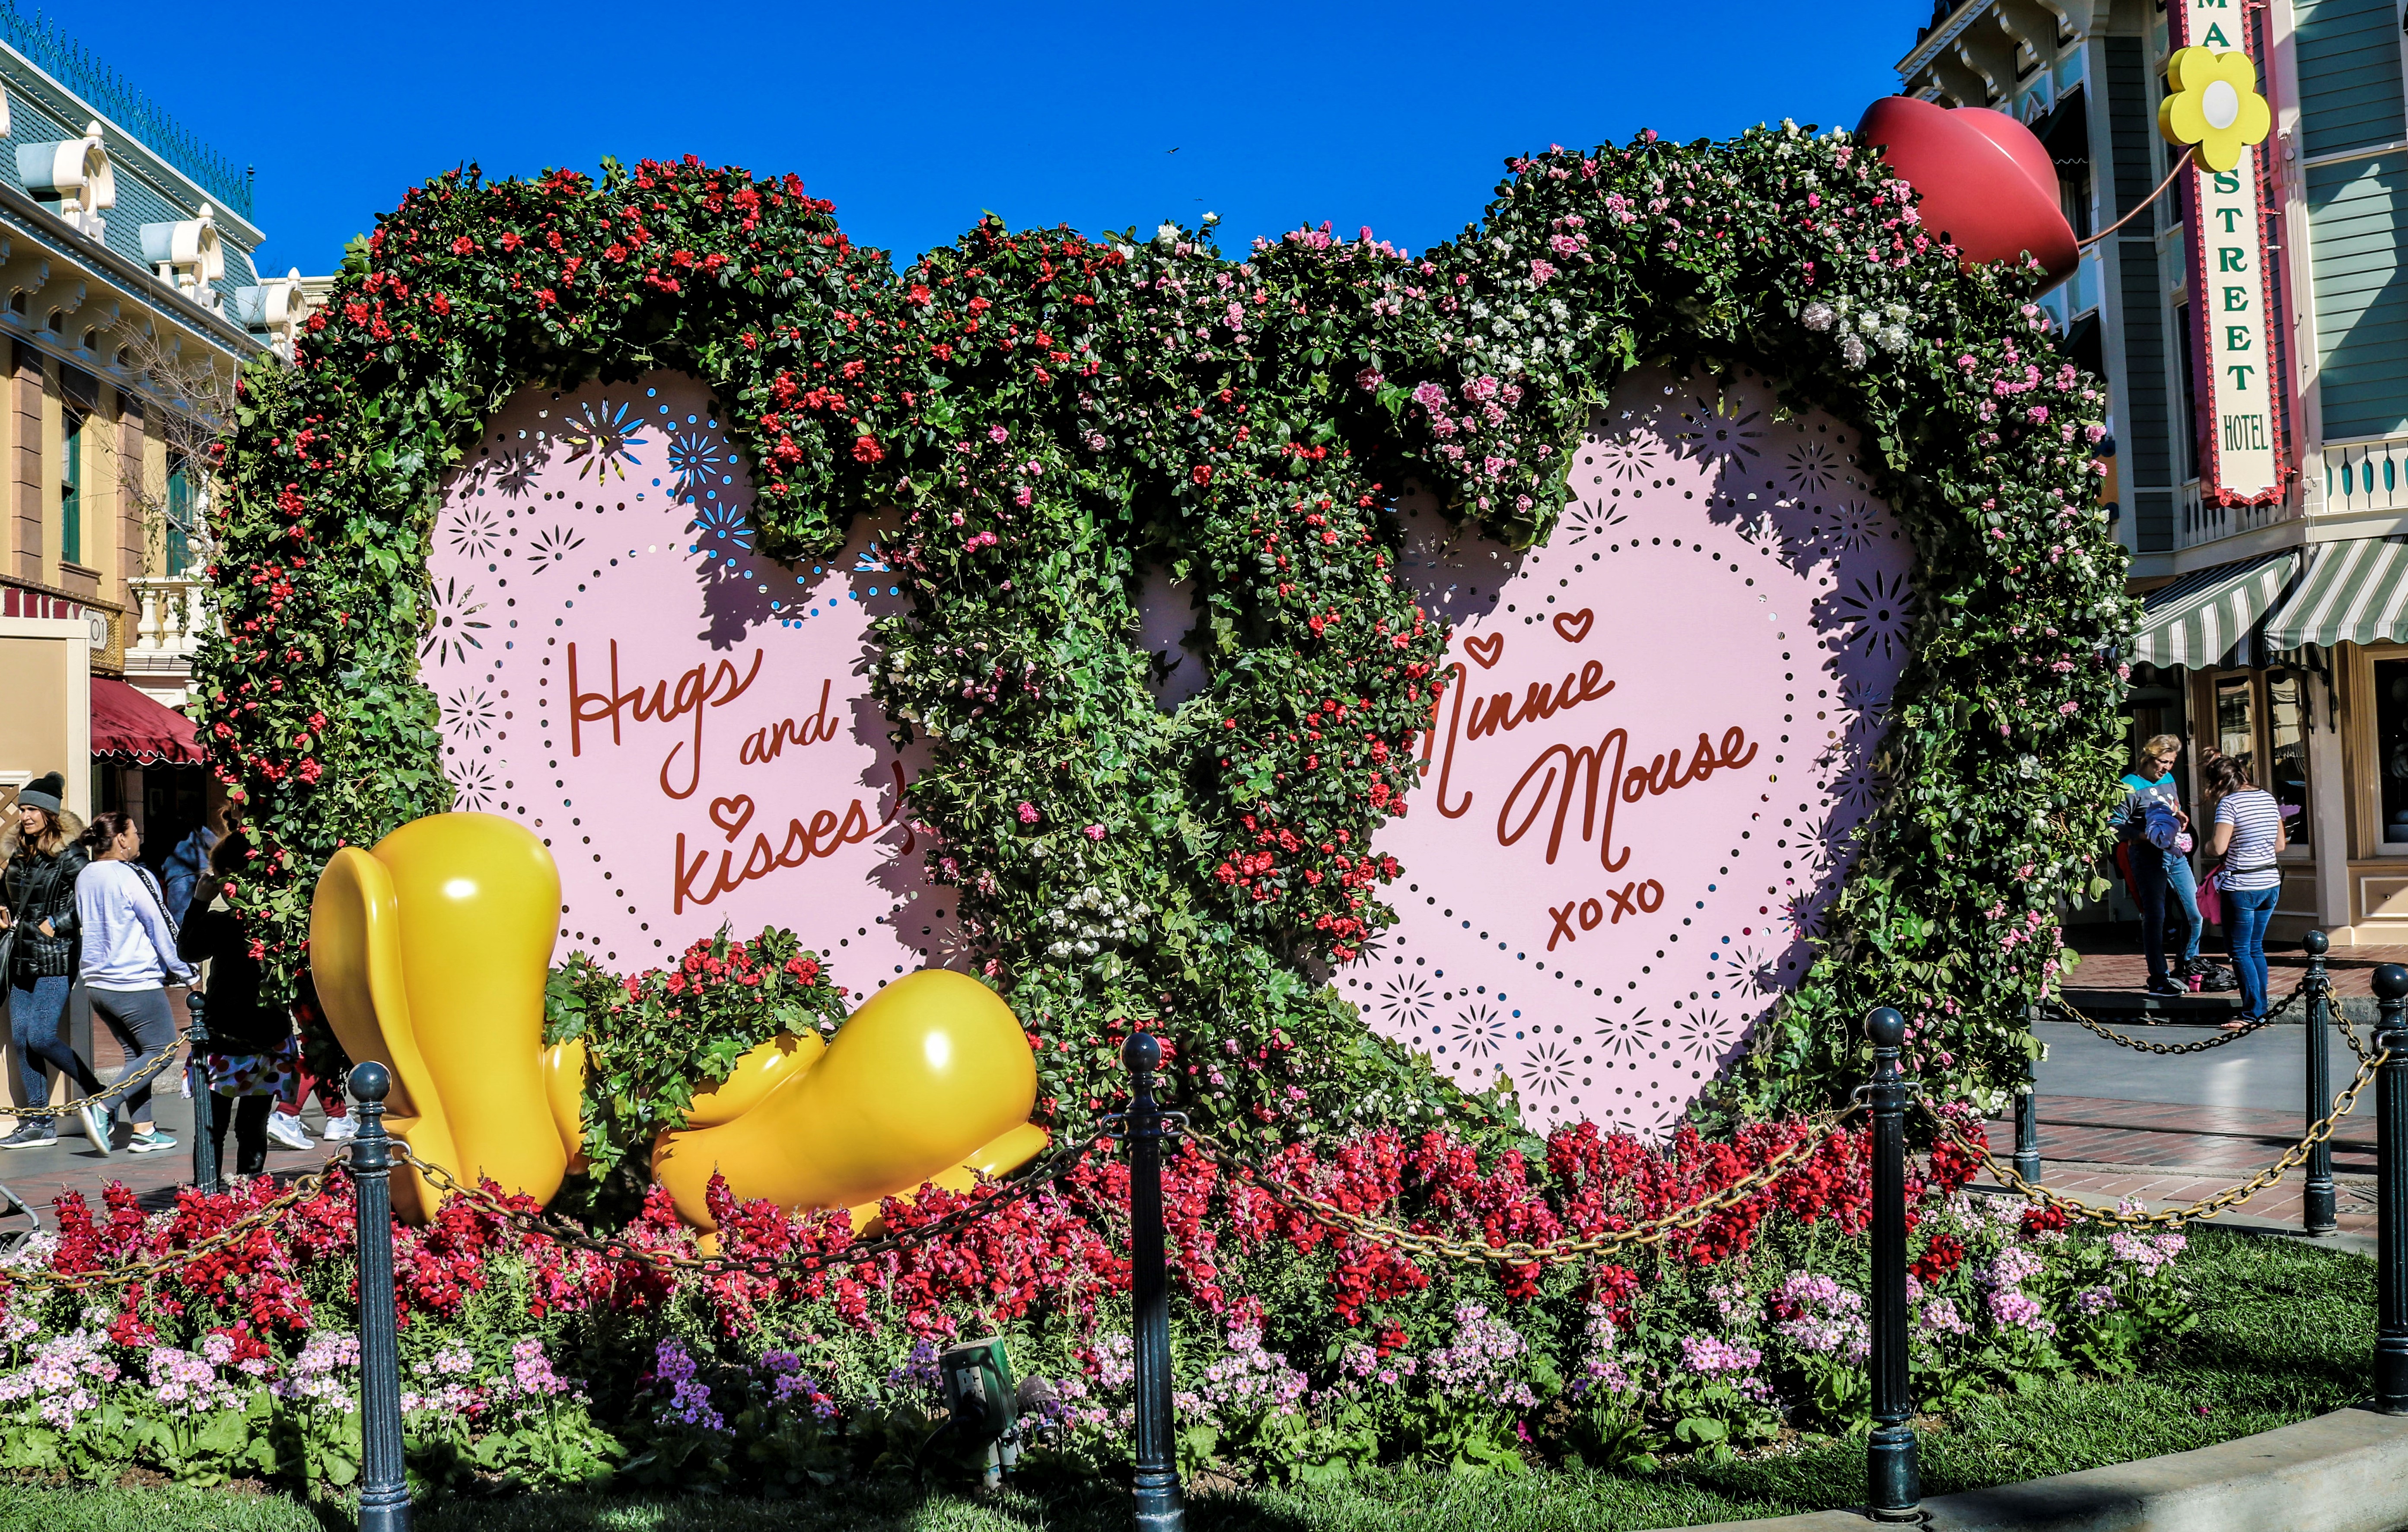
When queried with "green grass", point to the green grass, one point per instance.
{"points": [[2285, 1332]]}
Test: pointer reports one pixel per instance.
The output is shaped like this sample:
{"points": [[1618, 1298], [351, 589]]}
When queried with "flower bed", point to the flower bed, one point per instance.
{"points": [[1303, 1355]]}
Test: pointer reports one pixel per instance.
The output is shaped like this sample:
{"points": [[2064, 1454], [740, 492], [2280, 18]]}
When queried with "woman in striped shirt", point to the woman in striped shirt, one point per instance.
{"points": [[2248, 833]]}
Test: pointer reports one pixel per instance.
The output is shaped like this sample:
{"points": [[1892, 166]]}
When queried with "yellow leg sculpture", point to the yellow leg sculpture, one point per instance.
{"points": [[430, 955]]}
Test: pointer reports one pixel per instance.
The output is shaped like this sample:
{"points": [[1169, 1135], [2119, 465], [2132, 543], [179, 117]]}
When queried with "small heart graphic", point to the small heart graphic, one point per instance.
{"points": [[732, 814], [1573, 625], [1486, 650]]}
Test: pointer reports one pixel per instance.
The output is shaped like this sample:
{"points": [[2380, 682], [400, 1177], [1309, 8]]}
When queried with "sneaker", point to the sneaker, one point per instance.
{"points": [[285, 1131], [32, 1134], [339, 1130], [97, 1127], [152, 1142], [2166, 986]]}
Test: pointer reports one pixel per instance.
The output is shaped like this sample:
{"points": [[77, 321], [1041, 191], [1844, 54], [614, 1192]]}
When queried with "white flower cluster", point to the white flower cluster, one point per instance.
{"points": [[1092, 918]]}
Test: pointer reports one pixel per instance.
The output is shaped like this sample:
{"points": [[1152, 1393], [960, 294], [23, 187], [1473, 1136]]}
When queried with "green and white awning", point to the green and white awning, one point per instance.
{"points": [[2356, 592], [2197, 619]]}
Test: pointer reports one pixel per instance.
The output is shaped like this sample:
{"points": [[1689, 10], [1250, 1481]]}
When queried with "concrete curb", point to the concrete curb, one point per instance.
{"points": [[2342, 1472]]}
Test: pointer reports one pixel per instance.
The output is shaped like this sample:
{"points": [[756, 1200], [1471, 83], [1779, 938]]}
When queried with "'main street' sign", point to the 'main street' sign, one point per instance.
{"points": [[2232, 302]]}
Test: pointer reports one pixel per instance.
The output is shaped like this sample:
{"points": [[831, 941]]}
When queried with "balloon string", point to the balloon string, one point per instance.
{"points": [[2146, 204]]}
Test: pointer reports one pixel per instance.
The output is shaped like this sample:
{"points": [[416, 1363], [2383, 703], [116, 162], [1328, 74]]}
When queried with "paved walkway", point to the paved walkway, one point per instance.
{"points": [[2117, 1123], [39, 1176]]}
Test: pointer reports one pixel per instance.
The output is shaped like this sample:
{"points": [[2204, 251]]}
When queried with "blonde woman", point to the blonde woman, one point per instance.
{"points": [[38, 904], [2150, 851]]}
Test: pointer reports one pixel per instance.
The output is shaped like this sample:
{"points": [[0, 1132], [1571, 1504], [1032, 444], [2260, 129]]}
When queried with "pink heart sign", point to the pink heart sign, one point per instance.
{"points": [[1634, 813], [687, 723]]}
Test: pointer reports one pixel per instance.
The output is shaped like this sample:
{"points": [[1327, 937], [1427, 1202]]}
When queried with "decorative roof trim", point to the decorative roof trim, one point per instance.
{"points": [[128, 150]]}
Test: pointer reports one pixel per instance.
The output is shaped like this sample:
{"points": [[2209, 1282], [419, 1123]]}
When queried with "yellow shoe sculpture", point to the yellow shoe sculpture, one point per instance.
{"points": [[926, 1081], [430, 955]]}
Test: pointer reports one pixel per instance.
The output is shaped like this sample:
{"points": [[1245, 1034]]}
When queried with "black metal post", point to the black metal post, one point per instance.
{"points": [[196, 1078], [2027, 1106], [2316, 1209], [2391, 1192], [384, 1492], [1160, 1505], [1894, 1484]]}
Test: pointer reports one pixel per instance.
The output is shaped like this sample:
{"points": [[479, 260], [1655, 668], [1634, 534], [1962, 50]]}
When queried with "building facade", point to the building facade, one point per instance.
{"points": [[2252, 331], [129, 296]]}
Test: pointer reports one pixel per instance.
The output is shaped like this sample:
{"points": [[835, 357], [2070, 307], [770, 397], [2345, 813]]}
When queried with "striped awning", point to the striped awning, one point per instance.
{"points": [[2356, 592], [2197, 619]]}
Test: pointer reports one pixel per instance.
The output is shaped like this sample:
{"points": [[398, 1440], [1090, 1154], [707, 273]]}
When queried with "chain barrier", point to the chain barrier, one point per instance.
{"points": [[2066, 1013], [2209, 1207], [1520, 1252], [107, 1097], [1008, 1190], [114, 1277]]}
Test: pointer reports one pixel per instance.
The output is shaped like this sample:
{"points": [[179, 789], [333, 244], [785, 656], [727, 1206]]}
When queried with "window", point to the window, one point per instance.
{"points": [[180, 520], [2391, 747], [2287, 722], [2236, 723], [71, 491]]}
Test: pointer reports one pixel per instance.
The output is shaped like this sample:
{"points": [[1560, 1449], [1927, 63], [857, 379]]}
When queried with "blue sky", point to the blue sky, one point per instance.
{"points": [[914, 119]]}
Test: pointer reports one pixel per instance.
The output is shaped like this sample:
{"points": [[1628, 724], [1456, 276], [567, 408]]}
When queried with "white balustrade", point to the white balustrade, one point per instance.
{"points": [[2370, 475], [173, 618]]}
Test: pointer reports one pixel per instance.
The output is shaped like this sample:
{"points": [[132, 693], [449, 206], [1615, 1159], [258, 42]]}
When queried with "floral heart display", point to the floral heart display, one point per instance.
{"points": [[1047, 417], [1643, 792], [684, 721]]}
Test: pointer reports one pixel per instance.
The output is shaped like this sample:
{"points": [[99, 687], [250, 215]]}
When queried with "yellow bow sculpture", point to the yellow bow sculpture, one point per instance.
{"points": [[430, 953]]}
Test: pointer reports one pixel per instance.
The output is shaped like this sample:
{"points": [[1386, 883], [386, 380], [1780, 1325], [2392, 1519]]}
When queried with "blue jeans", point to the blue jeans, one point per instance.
{"points": [[37, 1009], [2246, 910], [2182, 902]]}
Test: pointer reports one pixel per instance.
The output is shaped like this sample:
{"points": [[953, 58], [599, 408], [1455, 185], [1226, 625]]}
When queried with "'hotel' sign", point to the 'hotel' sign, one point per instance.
{"points": [[2231, 300]]}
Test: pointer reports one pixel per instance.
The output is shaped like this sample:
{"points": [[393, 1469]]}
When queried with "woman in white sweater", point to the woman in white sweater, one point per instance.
{"points": [[129, 959]]}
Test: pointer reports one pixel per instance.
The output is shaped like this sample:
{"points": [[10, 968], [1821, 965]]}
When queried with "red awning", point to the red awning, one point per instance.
{"points": [[129, 728]]}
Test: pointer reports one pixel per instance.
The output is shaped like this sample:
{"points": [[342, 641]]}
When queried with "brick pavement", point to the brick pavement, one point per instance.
{"points": [[2104, 1151], [2352, 968]]}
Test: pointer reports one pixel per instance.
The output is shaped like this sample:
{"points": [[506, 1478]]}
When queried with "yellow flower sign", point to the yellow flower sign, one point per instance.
{"points": [[2213, 105]]}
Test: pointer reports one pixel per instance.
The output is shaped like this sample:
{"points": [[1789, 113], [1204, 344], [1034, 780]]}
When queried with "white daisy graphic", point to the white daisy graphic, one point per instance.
{"points": [[700, 464], [1405, 1002], [456, 628], [1725, 428], [1811, 466], [602, 438], [552, 546], [1479, 1031], [1627, 1037], [1879, 609], [1851, 524], [1625, 455], [473, 783], [471, 713], [1551, 1068], [474, 533], [1701, 1034]]}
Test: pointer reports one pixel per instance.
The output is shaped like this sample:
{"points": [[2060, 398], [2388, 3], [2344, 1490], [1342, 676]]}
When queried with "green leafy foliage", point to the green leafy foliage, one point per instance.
{"points": [[653, 1040]]}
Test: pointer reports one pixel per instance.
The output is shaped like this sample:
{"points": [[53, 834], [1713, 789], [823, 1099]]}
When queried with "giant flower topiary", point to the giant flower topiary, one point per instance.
{"points": [[1051, 412]]}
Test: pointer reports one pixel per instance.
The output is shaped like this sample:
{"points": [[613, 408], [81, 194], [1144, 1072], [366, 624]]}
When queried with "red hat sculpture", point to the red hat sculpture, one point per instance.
{"points": [[1986, 183]]}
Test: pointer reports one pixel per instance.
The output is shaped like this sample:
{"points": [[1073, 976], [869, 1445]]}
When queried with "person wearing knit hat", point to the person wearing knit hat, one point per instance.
{"points": [[37, 907]]}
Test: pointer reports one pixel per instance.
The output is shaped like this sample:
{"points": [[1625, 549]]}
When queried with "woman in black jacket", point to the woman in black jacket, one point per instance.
{"points": [[250, 1053], [38, 903]]}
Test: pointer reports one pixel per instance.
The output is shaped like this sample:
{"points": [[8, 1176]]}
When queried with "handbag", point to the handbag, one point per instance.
{"points": [[2210, 899]]}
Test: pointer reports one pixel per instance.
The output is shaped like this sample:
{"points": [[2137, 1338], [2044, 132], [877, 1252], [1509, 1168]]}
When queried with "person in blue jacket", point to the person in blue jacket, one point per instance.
{"points": [[184, 868], [2150, 782]]}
